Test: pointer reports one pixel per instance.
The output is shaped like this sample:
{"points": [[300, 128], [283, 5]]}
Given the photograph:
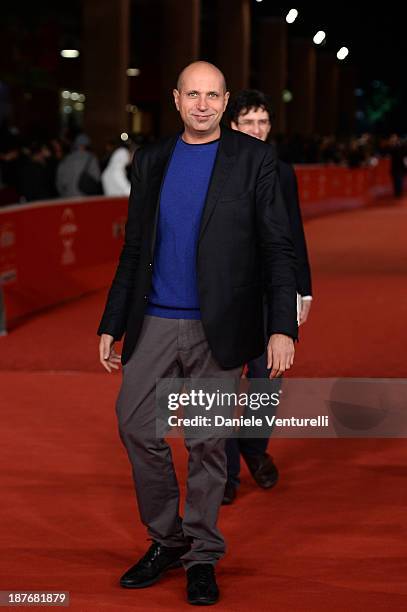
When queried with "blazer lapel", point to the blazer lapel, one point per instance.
{"points": [[156, 183], [223, 165]]}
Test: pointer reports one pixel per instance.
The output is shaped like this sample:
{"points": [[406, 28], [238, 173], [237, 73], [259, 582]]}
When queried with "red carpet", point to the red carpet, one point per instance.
{"points": [[331, 535]]}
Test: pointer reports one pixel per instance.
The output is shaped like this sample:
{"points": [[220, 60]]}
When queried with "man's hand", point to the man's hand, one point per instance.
{"points": [[107, 355], [280, 354], [305, 308]]}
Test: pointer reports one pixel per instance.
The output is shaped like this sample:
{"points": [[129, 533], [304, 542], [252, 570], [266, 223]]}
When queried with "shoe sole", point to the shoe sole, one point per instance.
{"points": [[267, 486], [147, 583], [200, 602]]}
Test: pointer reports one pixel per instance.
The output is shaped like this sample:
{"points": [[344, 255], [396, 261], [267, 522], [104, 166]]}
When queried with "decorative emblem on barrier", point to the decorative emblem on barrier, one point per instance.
{"points": [[67, 232]]}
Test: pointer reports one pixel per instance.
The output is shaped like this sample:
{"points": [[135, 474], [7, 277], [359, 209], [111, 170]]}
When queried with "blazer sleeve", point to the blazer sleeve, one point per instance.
{"points": [[116, 311], [289, 187], [277, 250]]}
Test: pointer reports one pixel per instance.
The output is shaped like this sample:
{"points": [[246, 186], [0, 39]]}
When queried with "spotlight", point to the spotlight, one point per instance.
{"points": [[70, 53], [342, 53], [319, 37], [291, 16]]}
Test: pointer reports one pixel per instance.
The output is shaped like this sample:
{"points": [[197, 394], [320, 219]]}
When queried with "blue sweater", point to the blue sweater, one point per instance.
{"points": [[174, 293]]}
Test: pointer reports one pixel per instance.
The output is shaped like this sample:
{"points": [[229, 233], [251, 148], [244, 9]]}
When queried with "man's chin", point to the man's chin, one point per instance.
{"points": [[206, 124], [202, 129]]}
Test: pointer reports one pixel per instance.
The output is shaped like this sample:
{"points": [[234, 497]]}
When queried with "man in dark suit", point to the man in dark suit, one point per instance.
{"points": [[251, 113], [205, 214]]}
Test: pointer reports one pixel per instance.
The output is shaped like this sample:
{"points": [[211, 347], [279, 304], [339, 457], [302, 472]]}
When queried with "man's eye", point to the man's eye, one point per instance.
{"points": [[192, 94], [213, 94]]}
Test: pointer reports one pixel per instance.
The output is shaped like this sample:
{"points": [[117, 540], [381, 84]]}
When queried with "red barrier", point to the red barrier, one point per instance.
{"points": [[58, 250], [333, 188]]}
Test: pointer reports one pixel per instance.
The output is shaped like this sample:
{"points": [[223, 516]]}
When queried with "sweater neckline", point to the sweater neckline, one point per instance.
{"points": [[198, 144]]}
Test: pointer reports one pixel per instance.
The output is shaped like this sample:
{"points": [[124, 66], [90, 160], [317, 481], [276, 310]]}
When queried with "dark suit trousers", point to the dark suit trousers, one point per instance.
{"points": [[173, 348], [257, 370]]}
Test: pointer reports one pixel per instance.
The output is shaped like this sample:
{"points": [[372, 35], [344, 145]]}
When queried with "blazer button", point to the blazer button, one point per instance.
{"points": [[146, 298]]}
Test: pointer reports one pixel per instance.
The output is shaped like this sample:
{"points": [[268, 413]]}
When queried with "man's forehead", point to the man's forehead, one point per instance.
{"points": [[257, 111], [202, 81]]}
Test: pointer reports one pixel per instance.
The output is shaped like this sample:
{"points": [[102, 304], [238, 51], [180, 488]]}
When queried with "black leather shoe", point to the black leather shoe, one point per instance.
{"points": [[229, 494], [263, 470], [202, 589], [150, 568]]}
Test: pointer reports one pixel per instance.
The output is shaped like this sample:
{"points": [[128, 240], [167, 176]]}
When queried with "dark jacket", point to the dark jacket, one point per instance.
{"points": [[289, 189], [244, 229]]}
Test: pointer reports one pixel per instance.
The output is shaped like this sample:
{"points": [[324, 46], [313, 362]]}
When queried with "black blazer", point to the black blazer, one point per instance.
{"points": [[244, 230], [289, 189]]}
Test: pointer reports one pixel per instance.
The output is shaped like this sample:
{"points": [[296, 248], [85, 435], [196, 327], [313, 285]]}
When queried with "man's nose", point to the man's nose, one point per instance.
{"points": [[201, 102], [256, 131]]}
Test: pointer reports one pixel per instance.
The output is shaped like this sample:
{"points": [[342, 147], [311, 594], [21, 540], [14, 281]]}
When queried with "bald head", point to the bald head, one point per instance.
{"points": [[201, 99], [198, 70]]}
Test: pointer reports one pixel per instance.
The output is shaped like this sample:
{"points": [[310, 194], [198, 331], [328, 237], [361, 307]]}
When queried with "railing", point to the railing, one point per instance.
{"points": [[330, 188]]}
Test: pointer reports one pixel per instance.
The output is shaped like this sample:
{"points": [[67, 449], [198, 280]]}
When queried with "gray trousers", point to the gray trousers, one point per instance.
{"points": [[173, 348]]}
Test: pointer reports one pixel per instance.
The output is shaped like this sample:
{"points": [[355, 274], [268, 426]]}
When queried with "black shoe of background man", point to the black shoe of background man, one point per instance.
{"points": [[263, 469], [150, 568], [202, 589], [229, 494]]}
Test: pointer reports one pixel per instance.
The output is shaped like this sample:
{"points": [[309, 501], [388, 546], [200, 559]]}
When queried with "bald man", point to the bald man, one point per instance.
{"points": [[205, 217]]}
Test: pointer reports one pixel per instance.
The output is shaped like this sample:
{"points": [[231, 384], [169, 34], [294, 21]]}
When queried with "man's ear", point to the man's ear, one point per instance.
{"points": [[233, 125], [175, 93], [227, 95]]}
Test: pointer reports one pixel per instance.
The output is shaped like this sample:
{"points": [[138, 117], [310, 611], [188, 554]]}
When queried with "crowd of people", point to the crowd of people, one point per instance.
{"points": [[66, 166], [63, 167], [352, 152]]}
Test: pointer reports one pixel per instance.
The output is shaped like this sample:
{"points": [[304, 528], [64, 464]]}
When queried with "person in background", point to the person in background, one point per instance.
{"points": [[11, 161], [35, 181], [114, 176], [57, 154], [398, 162], [72, 167], [109, 148], [251, 112]]}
